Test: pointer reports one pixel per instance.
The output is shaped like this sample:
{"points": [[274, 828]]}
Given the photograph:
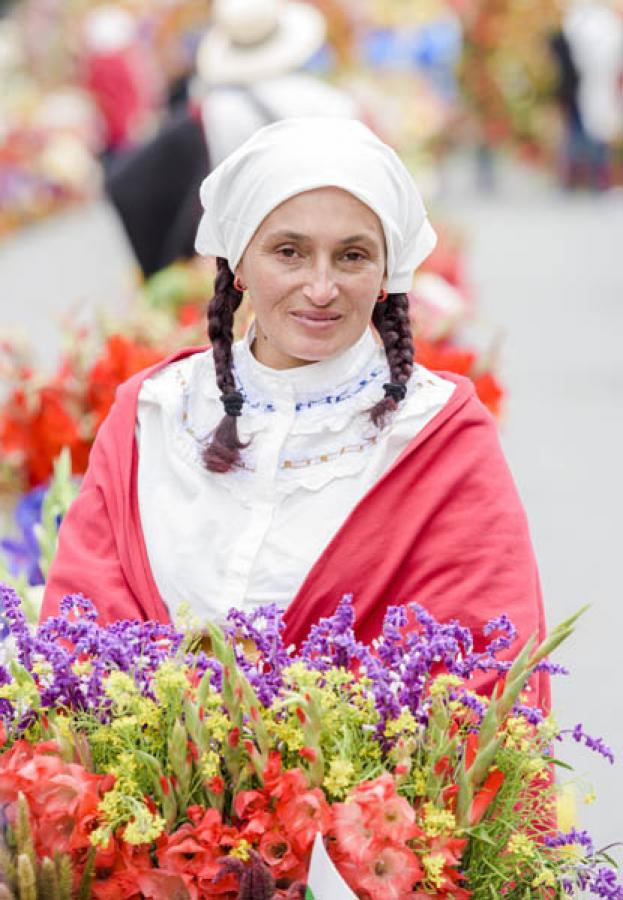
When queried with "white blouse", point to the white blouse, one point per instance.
{"points": [[250, 536]]}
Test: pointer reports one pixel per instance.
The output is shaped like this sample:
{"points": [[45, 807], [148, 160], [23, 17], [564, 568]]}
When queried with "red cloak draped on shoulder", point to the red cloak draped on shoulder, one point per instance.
{"points": [[444, 527]]}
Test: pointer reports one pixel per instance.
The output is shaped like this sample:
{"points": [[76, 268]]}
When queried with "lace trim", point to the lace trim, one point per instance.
{"points": [[311, 402], [301, 466]]}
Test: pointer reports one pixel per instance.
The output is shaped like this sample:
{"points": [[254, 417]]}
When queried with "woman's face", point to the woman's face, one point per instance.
{"points": [[314, 270]]}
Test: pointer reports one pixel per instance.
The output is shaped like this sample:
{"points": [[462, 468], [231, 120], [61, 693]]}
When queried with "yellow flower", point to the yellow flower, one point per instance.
{"points": [[406, 723], [419, 782], [443, 684], [290, 734], [548, 728], [20, 693], [217, 726], [170, 683], [520, 845], [546, 878], [518, 733], [209, 764], [144, 828], [122, 689], [590, 797], [241, 850], [339, 777], [437, 821], [434, 864], [297, 675]]}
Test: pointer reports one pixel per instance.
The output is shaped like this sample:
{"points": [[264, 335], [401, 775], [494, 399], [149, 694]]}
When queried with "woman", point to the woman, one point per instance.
{"points": [[307, 461]]}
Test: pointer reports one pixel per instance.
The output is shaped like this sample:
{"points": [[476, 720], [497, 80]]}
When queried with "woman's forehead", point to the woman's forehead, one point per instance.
{"points": [[329, 211]]}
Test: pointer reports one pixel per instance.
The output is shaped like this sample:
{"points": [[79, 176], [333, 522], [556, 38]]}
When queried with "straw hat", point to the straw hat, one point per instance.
{"points": [[252, 39]]}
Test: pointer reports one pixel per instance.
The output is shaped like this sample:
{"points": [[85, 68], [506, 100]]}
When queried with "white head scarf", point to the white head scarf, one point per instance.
{"points": [[298, 155]]}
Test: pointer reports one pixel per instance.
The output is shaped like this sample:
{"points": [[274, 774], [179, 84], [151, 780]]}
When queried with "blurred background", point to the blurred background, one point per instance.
{"points": [[510, 115]]}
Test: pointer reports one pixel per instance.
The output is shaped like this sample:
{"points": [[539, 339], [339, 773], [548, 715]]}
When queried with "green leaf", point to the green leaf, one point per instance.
{"points": [[58, 498]]}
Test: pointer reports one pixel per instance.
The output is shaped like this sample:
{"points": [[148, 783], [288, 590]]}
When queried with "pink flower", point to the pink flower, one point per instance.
{"points": [[388, 874], [278, 853], [373, 813], [304, 815]]}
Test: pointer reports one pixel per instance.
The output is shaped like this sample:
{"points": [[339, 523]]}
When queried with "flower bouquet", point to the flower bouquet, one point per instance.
{"points": [[148, 761]]}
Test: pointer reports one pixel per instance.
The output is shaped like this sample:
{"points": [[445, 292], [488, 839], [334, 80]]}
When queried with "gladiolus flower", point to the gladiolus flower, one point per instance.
{"points": [[485, 796], [309, 754], [388, 874], [216, 785]]}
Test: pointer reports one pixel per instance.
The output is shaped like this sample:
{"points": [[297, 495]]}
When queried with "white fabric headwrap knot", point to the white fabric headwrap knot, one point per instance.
{"points": [[298, 155]]}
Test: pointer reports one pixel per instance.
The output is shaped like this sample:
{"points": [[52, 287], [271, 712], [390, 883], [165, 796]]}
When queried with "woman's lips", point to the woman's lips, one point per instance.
{"points": [[316, 320]]}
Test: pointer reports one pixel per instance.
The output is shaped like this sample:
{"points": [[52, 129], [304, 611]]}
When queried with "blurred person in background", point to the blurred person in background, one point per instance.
{"points": [[248, 75], [121, 76], [589, 52]]}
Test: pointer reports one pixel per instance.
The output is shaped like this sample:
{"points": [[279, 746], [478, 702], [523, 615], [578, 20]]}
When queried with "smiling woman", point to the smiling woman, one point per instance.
{"points": [[314, 458], [313, 289]]}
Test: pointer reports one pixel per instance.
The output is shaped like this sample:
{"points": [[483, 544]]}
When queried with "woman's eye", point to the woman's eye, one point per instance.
{"points": [[354, 255], [287, 252]]}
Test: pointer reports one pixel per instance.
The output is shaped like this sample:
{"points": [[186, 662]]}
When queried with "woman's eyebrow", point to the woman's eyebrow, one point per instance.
{"points": [[360, 238], [287, 236]]}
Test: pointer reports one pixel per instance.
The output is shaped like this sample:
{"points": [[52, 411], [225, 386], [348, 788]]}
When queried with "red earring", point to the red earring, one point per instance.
{"points": [[239, 285], [382, 297]]}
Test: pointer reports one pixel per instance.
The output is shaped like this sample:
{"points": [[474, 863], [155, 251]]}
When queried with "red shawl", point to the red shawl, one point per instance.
{"points": [[444, 526]]}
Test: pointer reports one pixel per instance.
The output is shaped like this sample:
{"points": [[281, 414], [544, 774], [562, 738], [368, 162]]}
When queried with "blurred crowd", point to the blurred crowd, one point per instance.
{"points": [[138, 100]]}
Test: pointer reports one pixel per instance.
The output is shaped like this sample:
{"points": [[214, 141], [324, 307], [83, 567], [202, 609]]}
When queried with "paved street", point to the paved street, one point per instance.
{"points": [[548, 272], [65, 267]]}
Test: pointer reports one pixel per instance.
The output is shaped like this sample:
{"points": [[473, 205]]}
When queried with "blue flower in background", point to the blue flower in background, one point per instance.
{"points": [[22, 553], [433, 48], [383, 47]]}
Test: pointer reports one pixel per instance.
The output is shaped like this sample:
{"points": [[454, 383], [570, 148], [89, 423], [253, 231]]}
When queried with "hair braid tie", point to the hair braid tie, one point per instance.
{"points": [[396, 391], [233, 403]]}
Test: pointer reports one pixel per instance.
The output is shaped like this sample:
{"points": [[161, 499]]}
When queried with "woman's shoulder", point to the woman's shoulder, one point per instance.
{"points": [[444, 402], [427, 392], [164, 383]]}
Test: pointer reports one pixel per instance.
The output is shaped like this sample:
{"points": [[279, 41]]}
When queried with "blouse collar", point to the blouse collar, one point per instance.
{"points": [[324, 377]]}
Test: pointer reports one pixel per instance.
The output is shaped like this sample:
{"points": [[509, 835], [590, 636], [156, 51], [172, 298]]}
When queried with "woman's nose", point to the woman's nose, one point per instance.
{"points": [[321, 288]]}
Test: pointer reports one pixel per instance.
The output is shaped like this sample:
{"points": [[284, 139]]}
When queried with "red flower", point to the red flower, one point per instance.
{"points": [[278, 853], [194, 851], [120, 360], [490, 392], [384, 814], [62, 797], [302, 816], [389, 873], [485, 796], [37, 428]]}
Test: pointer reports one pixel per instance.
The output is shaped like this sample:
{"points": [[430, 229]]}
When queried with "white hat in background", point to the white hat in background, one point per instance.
{"points": [[108, 29], [252, 39]]}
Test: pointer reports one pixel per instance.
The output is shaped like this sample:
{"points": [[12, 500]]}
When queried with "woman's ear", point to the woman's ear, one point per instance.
{"points": [[239, 282]]}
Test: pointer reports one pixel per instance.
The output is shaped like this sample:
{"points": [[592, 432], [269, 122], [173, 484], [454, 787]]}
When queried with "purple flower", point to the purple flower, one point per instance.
{"points": [[23, 552], [566, 838], [604, 883], [597, 745]]}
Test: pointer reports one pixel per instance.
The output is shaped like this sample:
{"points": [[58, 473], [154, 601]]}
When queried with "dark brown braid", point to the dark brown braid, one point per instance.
{"points": [[391, 319], [223, 450]]}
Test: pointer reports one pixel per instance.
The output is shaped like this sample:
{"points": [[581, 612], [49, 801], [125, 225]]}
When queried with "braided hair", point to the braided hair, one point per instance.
{"points": [[223, 450], [391, 319]]}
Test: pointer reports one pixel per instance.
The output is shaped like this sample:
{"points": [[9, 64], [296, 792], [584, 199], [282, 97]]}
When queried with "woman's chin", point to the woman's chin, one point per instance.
{"points": [[311, 351]]}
